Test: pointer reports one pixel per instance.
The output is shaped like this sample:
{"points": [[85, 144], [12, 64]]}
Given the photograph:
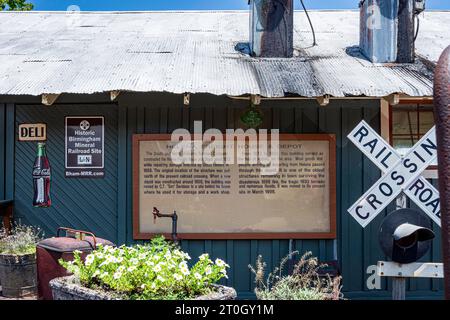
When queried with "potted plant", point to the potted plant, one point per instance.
{"points": [[18, 261], [154, 271], [305, 282]]}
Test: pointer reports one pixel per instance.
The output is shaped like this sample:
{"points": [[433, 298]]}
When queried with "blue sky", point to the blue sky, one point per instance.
{"points": [[113, 5]]}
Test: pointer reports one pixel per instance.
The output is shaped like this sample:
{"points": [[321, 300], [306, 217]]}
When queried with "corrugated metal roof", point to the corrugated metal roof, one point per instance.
{"points": [[89, 52]]}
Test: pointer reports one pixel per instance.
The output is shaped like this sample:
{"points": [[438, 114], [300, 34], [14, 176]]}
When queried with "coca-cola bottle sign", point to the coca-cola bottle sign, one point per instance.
{"points": [[41, 179]]}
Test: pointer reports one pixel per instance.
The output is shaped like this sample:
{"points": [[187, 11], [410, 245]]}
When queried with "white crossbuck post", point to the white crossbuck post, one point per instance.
{"points": [[399, 174]]}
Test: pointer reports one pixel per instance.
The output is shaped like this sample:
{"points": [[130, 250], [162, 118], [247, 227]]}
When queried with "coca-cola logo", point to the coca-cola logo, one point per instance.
{"points": [[41, 172]]}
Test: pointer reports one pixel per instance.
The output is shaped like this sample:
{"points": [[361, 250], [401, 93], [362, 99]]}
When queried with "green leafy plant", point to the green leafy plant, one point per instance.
{"points": [[304, 283], [252, 117], [22, 240], [158, 270], [17, 5]]}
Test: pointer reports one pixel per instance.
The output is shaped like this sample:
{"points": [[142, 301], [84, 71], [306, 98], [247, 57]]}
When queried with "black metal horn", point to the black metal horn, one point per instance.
{"points": [[442, 120]]}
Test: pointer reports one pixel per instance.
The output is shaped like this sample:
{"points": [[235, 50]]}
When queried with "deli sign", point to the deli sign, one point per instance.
{"points": [[400, 174], [32, 132]]}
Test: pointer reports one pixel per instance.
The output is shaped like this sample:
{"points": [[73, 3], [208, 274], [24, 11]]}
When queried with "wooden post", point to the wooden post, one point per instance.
{"points": [[441, 116], [398, 288], [399, 283], [6, 212]]}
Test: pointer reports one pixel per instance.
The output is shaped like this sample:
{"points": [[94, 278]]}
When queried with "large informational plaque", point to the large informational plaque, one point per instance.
{"points": [[234, 201]]}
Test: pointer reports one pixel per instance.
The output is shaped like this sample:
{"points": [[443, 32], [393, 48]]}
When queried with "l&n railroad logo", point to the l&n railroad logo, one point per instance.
{"points": [[400, 174]]}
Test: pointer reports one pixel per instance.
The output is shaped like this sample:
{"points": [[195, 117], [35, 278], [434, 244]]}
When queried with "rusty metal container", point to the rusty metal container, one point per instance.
{"points": [[49, 251]]}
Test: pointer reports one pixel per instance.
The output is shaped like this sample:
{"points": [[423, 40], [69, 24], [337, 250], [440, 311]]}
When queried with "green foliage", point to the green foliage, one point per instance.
{"points": [[15, 5], [252, 117], [158, 270], [303, 284], [21, 241]]}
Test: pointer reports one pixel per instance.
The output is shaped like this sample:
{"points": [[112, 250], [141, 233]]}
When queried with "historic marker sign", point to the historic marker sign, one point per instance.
{"points": [[85, 139], [400, 174], [234, 201]]}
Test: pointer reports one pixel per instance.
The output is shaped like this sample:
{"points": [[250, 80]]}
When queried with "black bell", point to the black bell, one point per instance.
{"points": [[405, 235]]}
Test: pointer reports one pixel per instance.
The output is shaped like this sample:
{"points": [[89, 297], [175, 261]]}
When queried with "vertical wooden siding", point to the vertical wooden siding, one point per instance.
{"points": [[6, 151], [2, 149], [86, 204], [355, 248]]}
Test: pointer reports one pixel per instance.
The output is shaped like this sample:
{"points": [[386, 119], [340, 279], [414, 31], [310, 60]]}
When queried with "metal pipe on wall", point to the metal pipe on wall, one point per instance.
{"points": [[442, 120]]}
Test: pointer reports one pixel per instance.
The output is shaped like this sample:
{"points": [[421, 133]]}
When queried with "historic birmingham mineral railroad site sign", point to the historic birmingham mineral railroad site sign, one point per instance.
{"points": [[400, 174]]}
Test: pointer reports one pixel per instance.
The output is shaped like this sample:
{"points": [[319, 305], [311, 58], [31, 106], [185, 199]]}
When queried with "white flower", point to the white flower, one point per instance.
{"points": [[104, 274], [104, 263], [131, 269], [197, 275], [119, 259], [177, 276], [153, 286], [89, 260], [142, 256], [150, 263], [224, 271], [77, 251], [185, 271], [121, 269], [203, 257], [220, 262], [208, 270], [157, 268], [159, 278], [134, 261], [96, 273], [168, 255], [117, 275], [143, 286]]}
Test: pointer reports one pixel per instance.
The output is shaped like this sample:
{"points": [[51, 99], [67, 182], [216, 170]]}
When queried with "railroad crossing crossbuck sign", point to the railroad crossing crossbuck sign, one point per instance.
{"points": [[400, 174]]}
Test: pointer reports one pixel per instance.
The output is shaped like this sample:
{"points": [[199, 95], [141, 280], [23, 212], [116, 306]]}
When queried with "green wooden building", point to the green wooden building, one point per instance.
{"points": [[155, 72]]}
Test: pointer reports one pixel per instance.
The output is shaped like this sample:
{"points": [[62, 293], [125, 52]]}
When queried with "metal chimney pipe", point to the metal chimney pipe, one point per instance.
{"points": [[387, 29], [272, 28], [442, 120], [405, 37]]}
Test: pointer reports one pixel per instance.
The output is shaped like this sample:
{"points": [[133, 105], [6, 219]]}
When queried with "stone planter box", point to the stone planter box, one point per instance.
{"points": [[69, 288]]}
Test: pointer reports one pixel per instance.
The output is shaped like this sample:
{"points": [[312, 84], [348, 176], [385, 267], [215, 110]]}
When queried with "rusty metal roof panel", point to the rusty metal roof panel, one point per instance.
{"points": [[89, 52]]}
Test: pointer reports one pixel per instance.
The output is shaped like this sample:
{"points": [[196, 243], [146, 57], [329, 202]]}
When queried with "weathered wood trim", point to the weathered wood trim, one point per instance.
{"points": [[49, 99], [385, 120]]}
